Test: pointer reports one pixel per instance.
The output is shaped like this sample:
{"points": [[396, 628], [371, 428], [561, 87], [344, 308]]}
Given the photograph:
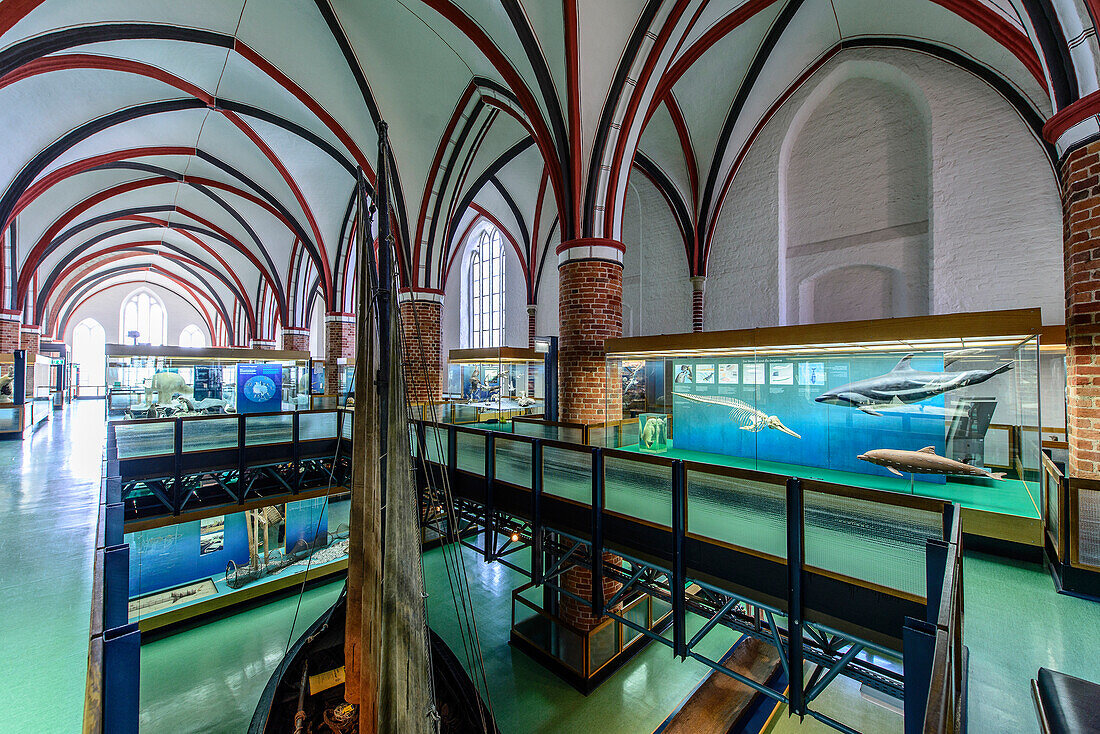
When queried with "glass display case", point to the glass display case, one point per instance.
{"points": [[345, 377], [940, 406], [189, 568], [495, 384], [161, 382], [26, 408]]}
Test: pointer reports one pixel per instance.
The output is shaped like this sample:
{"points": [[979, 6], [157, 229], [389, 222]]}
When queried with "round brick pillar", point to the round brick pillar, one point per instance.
{"points": [[578, 580], [698, 285], [1081, 237], [590, 302], [10, 322], [295, 339], [339, 342], [265, 344], [532, 309], [421, 316]]}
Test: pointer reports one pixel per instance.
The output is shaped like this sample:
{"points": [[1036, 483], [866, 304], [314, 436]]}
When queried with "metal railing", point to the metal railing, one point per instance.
{"points": [[817, 555]]}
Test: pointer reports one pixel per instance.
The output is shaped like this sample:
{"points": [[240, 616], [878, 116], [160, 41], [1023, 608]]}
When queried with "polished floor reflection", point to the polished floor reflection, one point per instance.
{"points": [[208, 678], [49, 494]]}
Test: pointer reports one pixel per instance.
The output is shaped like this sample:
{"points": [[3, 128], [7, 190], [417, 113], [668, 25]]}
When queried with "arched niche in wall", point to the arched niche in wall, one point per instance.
{"points": [[855, 199]]}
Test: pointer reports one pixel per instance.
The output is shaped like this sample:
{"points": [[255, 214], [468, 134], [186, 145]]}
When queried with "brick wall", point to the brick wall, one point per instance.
{"points": [[590, 302], [420, 327], [295, 340], [263, 344], [9, 333], [1081, 223], [578, 581], [339, 342]]}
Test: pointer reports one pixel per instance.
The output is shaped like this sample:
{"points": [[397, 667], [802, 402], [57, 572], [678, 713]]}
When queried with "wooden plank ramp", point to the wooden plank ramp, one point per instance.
{"points": [[720, 704]]}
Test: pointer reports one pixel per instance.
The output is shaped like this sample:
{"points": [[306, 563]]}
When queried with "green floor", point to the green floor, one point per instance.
{"points": [[207, 679], [49, 492], [1008, 496]]}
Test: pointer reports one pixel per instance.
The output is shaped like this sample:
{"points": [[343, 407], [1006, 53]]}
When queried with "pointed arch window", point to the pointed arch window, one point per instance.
{"points": [[192, 336], [143, 312], [89, 340], [485, 285]]}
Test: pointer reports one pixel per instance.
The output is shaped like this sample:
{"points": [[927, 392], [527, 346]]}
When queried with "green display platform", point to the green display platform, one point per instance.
{"points": [[1007, 497]]}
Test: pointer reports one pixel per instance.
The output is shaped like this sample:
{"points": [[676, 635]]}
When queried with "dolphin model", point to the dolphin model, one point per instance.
{"points": [[749, 417], [903, 384], [925, 461]]}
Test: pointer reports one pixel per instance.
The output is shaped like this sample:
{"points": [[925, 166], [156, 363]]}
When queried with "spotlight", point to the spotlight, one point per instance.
{"points": [[515, 537]]}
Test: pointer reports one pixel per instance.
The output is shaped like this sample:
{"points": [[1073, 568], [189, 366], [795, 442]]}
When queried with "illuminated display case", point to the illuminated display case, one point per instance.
{"points": [[26, 408], [494, 384], [940, 406], [160, 382]]}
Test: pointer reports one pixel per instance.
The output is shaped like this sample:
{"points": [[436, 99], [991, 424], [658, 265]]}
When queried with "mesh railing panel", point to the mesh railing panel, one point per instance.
{"points": [[567, 434], [512, 462], [470, 454], [265, 429], [314, 426], [1052, 495], [869, 541], [209, 434], [345, 429], [567, 473], [741, 512], [1088, 526], [435, 444], [638, 489], [145, 439]]}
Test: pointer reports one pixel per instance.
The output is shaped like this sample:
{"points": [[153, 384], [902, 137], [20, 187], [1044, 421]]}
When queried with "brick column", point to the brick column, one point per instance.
{"points": [[590, 301], [295, 339], [578, 581], [421, 317], [531, 309], [1081, 236], [339, 342], [264, 344], [9, 331], [29, 337], [698, 284]]}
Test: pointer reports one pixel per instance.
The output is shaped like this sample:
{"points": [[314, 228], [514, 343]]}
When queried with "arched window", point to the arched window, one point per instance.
{"points": [[485, 285], [144, 313], [192, 336], [89, 339]]}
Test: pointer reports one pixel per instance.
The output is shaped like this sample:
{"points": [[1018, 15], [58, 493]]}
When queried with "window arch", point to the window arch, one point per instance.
{"points": [[192, 336], [89, 348], [143, 312], [485, 286]]}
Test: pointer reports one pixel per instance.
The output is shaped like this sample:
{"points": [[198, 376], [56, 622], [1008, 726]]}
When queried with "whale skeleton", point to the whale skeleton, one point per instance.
{"points": [[747, 416]]}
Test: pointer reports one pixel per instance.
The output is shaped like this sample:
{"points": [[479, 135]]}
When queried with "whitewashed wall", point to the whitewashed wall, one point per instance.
{"points": [[656, 283], [454, 325], [106, 308], [836, 169]]}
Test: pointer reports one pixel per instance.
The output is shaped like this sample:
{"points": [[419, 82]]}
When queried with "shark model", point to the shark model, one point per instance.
{"points": [[903, 384], [925, 461], [749, 417]]}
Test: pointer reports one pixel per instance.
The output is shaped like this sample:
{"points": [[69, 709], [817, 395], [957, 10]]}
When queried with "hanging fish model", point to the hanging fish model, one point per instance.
{"points": [[925, 461], [903, 384], [749, 417]]}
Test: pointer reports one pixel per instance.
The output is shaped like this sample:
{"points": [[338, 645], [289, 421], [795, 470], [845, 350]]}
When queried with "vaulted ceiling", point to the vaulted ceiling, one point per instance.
{"points": [[213, 144]]}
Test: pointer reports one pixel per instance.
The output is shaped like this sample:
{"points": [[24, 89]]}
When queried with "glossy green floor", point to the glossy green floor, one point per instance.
{"points": [[49, 493], [208, 679], [1009, 496]]}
